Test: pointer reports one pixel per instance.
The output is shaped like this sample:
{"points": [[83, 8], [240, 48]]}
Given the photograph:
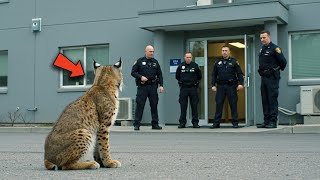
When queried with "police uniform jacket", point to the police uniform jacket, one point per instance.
{"points": [[271, 57], [188, 74], [226, 70], [149, 68]]}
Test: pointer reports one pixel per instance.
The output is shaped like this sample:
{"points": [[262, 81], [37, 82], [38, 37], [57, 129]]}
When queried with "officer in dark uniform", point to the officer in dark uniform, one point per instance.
{"points": [[148, 76], [271, 61], [227, 78], [188, 75]]}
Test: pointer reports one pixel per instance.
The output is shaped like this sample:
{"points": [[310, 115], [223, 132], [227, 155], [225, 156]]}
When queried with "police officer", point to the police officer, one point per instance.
{"points": [[188, 75], [148, 76], [271, 60], [227, 78]]}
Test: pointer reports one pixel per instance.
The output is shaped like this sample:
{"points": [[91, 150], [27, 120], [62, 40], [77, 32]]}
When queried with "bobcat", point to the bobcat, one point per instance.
{"points": [[80, 137]]}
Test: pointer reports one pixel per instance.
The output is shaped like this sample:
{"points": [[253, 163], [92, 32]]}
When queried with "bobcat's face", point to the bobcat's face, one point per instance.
{"points": [[108, 75]]}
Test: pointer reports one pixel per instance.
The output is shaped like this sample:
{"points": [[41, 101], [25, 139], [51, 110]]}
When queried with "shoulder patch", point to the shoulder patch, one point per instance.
{"points": [[135, 63], [278, 50]]}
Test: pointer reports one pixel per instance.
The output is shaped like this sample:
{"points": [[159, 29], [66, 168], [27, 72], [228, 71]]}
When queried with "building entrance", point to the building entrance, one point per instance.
{"points": [[205, 52]]}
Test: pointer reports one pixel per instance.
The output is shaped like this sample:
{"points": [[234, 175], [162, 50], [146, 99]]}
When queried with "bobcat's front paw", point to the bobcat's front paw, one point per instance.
{"points": [[94, 165], [113, 164]]}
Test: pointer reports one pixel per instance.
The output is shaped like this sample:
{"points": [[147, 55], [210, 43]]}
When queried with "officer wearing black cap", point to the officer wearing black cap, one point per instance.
{"points": [[188, 75], [271, 61], [227, 78], [148, 76]]}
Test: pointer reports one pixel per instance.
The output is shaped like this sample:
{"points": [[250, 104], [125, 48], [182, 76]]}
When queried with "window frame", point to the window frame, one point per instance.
{"points": [[85, 86], [307, 81], [4, 89], [4, 1]]}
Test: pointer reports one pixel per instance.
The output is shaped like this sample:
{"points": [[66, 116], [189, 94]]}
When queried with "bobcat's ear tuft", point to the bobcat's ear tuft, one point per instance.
{"points": [[118, 64], [95, 66]]}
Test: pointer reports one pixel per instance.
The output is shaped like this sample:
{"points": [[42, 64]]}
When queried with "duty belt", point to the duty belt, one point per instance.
{"points": [[149, 82], [229, 82], [268, 72], [188, 84]]}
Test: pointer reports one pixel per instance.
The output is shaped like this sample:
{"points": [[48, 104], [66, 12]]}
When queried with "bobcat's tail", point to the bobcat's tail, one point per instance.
{"points": [[49, 165]]}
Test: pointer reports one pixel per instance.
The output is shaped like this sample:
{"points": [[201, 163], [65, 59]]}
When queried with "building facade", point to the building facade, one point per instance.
{"points": [[32, 90]]}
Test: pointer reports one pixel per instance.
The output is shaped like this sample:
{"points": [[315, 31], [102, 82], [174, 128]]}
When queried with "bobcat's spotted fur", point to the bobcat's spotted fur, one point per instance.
{"points": [[80, 137]]}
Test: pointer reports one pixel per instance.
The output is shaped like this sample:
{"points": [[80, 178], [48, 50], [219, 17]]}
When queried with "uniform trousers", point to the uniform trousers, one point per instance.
{"points": [[144, 92], [187, 93], [230, 91], [269, 93]]}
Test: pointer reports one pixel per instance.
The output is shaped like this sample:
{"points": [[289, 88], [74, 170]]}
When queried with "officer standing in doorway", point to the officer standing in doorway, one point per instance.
{"points": [[227, 78], [188, 75], [271, 61], [148, 76]]}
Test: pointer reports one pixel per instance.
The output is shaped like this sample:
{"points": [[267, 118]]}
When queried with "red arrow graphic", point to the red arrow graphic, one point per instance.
{"points": [[66, 64]]}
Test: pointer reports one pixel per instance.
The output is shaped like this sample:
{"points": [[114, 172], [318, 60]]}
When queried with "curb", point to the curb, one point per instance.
{"points": [[305, 129], [297, 129], [25, 129]]}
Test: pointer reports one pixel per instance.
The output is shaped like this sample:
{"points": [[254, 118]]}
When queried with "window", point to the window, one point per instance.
{"points": [[304, 56], [99, 53], [3, 69]]}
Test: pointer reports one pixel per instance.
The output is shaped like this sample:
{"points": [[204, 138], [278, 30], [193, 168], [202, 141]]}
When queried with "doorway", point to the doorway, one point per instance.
{"points": [[205, 51], [236, 51]]}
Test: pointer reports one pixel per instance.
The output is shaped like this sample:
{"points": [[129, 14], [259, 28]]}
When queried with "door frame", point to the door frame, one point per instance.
{"points": [[249, 78], [249, 109]]}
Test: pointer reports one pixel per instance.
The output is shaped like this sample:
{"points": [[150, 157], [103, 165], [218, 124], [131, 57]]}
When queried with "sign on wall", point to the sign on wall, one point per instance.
{"points": [[174, 63]]}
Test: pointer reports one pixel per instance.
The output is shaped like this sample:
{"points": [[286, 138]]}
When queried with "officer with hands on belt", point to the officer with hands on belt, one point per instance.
{"points": [[188, 75], [227, 78], [271, 61], [148, 76]]}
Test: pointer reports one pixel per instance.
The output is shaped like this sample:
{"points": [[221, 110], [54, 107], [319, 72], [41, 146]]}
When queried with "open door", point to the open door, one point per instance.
{"points": [[249, 76]]}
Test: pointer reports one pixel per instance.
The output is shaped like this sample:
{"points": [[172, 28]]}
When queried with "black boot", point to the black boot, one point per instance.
{"points": [[263, 125], [235, 125], [196, 125], [272, 125], [215, 125], [182, 126], [156, 127]]}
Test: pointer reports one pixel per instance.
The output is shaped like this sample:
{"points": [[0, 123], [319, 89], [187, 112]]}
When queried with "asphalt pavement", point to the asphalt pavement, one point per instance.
{"points": [[176, 155]]}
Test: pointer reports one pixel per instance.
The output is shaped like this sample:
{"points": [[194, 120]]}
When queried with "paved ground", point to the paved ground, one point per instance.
{"points": [[188, 155], [314, 128]]}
